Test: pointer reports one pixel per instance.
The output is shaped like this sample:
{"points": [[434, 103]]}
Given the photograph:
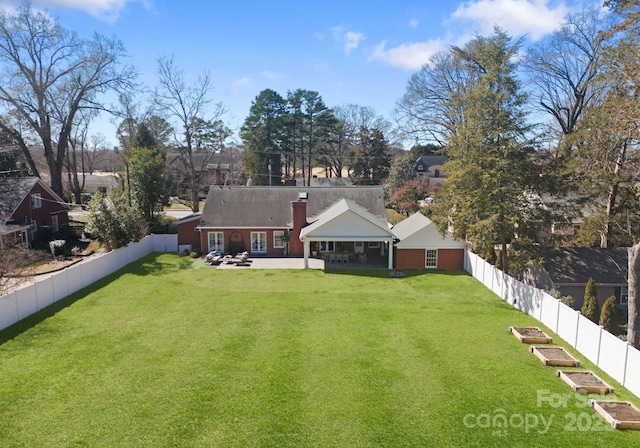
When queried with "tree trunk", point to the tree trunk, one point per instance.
{"points": [[605, 234], [633, 330], [504, 257]]}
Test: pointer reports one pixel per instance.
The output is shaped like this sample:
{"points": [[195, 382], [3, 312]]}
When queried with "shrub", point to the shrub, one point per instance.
{"points": [[57, 248], [590, 308], [195, 253], [609, 317]]}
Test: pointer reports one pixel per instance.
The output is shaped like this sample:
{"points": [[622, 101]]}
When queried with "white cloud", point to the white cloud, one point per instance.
{"points": [[410, 56], [240, 84], [517, 17], [350, 39], [107, 10]]}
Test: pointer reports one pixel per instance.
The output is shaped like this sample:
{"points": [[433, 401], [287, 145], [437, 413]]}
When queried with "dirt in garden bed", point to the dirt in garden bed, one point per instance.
{"points": [[531, 332], [554, 353], [584, 379], [622, 412]]}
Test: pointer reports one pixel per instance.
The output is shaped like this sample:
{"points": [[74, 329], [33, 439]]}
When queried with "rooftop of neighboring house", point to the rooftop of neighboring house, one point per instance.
{"points": [[575, 265], [270, 207], [12, 192], [424, 162]]}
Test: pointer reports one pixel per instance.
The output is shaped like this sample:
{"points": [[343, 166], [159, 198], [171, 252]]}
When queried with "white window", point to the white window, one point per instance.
{"points": [[23, 238], [327, 246], [431, 260], [278, 239], [54, 223], [34, 228], [358, 247], [259, 242], [622, 293], [36, 200], [374, 244], [216, 241]]}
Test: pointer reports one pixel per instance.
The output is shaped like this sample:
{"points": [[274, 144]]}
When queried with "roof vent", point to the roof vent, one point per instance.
{"points": [[303, 195]]}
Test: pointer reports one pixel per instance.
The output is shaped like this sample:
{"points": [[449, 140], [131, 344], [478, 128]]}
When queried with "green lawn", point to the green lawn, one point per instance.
{"points": [[165, 354]]}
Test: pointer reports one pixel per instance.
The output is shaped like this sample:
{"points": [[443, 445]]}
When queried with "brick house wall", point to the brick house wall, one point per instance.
{"points": [[49, 207], [188, 234], [448, 259]]}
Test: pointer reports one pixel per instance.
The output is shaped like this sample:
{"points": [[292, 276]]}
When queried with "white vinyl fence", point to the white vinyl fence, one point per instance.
{"points": [[613, 355], [30, 299]]}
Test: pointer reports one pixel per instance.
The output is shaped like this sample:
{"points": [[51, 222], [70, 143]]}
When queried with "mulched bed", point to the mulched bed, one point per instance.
{"points": [[555, 353], [531, 332]]}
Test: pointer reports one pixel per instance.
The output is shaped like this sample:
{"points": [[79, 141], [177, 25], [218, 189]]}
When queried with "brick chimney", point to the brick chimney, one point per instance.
{"points": [[299, 214]]}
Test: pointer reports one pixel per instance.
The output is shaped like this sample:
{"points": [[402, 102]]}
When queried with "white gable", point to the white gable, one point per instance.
{"points": [[419, 232], [345, 221]]}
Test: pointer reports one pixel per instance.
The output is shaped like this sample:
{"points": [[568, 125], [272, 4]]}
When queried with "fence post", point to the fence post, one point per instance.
{"points": [[575, 340], [626, 358], [557, 315], [599, 345]]}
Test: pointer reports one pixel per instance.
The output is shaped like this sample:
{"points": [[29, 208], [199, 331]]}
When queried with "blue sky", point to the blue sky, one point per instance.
{"points": [[359, 52]]}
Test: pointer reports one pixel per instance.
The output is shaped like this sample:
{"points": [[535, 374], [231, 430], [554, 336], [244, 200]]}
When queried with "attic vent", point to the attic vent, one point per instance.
{"points": [[303, 195]]}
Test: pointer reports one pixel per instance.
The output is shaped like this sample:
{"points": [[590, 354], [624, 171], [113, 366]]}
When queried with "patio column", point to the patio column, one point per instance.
{"points": [[390, 254], [306, 252]]}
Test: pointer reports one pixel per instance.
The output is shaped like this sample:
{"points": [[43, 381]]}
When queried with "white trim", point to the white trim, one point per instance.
{"points": [[426, 258], [261, 239], [216, 245], [278, 243]]}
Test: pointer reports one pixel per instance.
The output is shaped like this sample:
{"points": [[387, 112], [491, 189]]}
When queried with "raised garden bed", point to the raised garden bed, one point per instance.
{"points": [[554, 356], [619, 414], [531, 335], [585, 382]]}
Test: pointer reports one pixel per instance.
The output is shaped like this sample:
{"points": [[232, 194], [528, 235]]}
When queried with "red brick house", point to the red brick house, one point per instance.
{"points": [[422, 246], [27, 205], [188, 232], [267, 221]]}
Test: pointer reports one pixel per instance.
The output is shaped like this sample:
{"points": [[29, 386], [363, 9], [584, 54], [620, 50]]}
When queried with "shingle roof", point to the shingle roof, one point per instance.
{"points": [[577, 264], [340, 208], [271, 206], [411, 225], [427, 161], [12, 192]]}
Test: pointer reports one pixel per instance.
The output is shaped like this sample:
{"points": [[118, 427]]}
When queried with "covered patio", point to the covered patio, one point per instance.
{"points": [[347, 233]]}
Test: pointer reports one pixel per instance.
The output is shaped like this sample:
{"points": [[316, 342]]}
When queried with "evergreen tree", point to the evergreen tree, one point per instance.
{"points": [[490, 172], [590, 308], [262, 134], [609, 317]]}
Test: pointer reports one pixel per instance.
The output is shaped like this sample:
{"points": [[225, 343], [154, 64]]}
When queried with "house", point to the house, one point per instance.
{"points": [[28, 205], [188, 232], [567, 270], [422, 246], [430, 170], [343, 222]]}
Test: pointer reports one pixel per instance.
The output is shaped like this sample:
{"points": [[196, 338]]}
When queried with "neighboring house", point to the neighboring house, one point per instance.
{"points": [[568, 269], [28, 205], [430, 170], [343, 222], [213, 169], [422, 246], [96, 182]]}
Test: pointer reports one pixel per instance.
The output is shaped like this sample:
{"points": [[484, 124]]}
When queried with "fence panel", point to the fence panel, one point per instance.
{"points": [[588, 339], [27, 299], [549, 312], [8, 310], [632, 379], [44, 291], [497, 280], [74, 278], [613, 354], [567, 323], [60, 285], [165, 243]]}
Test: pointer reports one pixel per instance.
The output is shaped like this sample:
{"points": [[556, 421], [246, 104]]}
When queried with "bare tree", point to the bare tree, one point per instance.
{"points": [[49, 74], [95, 152], [74, 161], [14, 263], [189, 106], [563, 69]]}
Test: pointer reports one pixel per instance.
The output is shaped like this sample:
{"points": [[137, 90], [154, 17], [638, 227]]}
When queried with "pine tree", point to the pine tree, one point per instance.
{"points": [[609, 317], [590, 308], [490, 172]]}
